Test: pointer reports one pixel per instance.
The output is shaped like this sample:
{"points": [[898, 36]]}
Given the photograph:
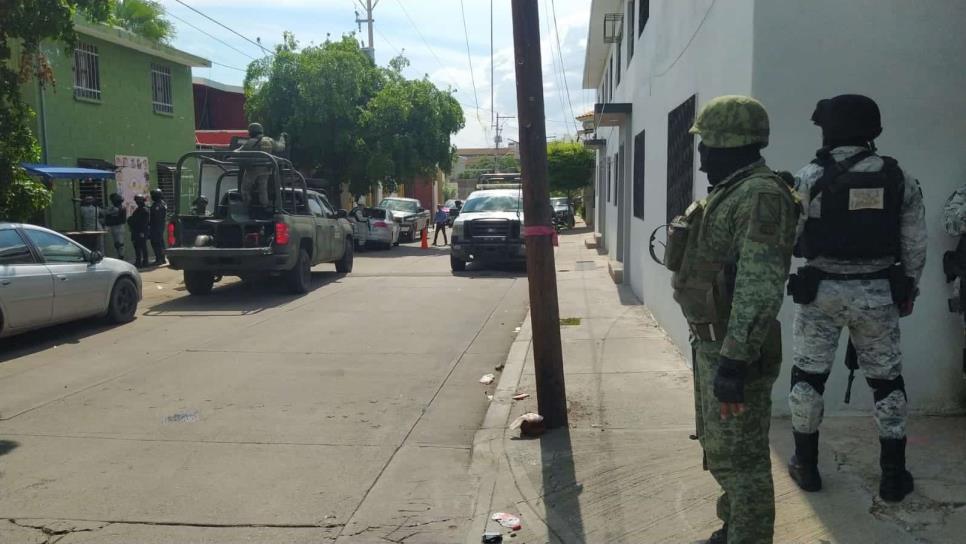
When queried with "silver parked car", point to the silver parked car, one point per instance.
{"points": [[47, 278]]}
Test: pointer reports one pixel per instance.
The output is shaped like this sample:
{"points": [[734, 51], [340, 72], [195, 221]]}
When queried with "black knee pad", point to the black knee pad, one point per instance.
{"points": [[817, 381], [883, 388]]}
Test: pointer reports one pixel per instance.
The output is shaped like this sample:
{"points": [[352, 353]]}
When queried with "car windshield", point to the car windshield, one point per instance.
{"points": [[495, 203], [399, 205], [559, 202], [449, 204]]}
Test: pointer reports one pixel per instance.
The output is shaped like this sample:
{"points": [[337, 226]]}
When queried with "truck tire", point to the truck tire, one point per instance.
{"points": [[198, 283], [458, 265], [299, 277], [344, 265], [124, 301]]}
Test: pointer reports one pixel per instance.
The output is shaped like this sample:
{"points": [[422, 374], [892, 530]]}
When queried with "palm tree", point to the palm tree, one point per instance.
{"points": [[144, 18]]}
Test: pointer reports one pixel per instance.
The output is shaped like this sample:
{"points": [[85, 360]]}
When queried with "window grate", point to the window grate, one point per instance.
{"points": [[87, 76], [631, 36], [166, 181], [643, 14], [161, 88], [639, 175], [680, 159]]}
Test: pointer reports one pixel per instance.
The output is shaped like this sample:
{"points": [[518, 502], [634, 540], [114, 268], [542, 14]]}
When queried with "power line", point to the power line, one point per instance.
{"points": [[226, 27], [229, 67], [556, 30], [469, 60], [553, 59], [425, 42], [226, 44]]}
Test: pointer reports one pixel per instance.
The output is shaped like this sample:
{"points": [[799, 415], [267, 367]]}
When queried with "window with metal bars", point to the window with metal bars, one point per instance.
{"points": [[620, 47], [639, 175], [680, 158], [643, 14], [630, 33], [166, 181], [161, 88], [87, 76]]}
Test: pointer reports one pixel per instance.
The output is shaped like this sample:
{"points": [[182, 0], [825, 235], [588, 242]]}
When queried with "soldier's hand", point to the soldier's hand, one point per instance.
{"points": [[729, 386]]}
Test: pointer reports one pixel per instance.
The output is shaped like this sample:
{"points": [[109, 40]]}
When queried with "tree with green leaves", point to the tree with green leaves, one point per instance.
{"points": [[144, 18], [570, 167], [489, 164], [27, 23]]}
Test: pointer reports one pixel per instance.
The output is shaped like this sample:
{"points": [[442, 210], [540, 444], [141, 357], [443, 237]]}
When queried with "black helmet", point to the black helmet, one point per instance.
{"points": [[255, 130], [848, 117], [139, 198], [116, 199], [157, 194]]}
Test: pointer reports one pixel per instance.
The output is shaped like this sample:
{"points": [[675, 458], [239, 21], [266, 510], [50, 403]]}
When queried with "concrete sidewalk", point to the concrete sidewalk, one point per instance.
{"points": [[626, 470]]}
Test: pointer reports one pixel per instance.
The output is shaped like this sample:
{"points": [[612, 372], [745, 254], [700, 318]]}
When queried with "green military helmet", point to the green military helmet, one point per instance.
{"points": [[255, 130], [732, 121]]}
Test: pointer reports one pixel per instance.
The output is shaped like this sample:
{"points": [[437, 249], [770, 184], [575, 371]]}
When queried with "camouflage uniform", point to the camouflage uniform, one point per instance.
{"points": [[864, 306], [254, 182], [730, 284], [954, 213]]}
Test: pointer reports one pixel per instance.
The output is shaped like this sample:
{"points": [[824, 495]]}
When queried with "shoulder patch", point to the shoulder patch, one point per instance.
{"points": [[766, 218]]}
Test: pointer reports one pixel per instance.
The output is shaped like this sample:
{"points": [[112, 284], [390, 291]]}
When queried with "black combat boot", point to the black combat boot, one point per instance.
{"points": [[803, 467], [719, 537], [896, 481]]}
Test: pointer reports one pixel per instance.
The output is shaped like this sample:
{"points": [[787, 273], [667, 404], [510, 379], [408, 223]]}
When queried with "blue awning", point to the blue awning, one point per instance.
{"points": [[66, 172]]}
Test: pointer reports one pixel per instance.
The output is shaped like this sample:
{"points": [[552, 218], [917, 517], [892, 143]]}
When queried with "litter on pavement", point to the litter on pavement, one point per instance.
{"points": [[521, 396], [492, 538], [507, 520], [487, 379]]}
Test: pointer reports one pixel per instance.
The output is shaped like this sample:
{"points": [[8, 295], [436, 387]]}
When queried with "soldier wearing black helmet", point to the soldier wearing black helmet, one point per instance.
{"points": [[255, 179], [140, 222], [864, 238], [159, 219]]}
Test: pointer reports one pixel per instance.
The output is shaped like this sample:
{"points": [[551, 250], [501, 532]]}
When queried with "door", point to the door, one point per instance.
{"points": [[80, 288], [333, 231], [323, 230], [26, 286]]}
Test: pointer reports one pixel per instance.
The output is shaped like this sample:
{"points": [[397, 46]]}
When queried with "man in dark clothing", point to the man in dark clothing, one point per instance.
{"points": [[442, 217], [114, 220], [140, 224], [159, 218]]}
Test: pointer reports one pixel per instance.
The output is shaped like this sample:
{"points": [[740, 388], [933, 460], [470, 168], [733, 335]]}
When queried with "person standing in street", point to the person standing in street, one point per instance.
{"points": [[442, 217], [730, 255], [864, 240], [114, 219], [140, 223], [159, 219]]}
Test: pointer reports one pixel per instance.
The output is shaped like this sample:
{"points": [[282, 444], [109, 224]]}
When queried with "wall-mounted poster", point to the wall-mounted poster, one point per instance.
{"points": [[133, 178]]}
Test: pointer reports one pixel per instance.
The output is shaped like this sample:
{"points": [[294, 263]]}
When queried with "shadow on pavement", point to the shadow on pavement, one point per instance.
{"points": [[404, 250], [240, 298], [562, 491], [7, 446], [39, 340]]}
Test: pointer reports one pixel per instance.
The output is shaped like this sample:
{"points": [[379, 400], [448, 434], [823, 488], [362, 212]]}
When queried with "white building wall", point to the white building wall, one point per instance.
{"points": [[911, 58]]}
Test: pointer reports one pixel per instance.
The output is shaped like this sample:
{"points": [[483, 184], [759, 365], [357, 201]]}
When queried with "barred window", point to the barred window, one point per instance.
{"points": [[87, 76], [639, 175], [161, 88], [630, 34], [166, 181], [680, 159]]}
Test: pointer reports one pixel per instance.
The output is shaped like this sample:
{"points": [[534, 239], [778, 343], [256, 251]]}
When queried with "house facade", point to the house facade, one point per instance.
{"points": [[654, 63], [119, 101]]}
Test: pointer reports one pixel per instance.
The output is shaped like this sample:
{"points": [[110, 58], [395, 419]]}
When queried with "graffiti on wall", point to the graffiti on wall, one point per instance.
{"points": [[133, 178]]}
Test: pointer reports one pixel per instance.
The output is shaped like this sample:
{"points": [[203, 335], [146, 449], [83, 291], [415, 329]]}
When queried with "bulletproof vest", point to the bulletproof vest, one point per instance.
{"points": [[860, 211]]}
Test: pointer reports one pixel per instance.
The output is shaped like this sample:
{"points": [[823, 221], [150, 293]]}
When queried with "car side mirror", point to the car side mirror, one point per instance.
{"points": [[342, 214], [95, 257]]}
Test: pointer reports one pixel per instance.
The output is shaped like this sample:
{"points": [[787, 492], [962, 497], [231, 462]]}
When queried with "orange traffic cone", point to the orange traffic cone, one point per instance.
{"points": [[424, 239]]}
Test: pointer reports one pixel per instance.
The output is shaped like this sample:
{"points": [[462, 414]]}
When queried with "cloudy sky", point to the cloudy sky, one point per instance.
{"points": [[429, 32]]}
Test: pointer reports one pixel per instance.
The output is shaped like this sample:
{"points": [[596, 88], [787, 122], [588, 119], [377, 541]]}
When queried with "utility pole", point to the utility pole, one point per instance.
{"points": [[498, 135], [541, 271], [368, 6]]}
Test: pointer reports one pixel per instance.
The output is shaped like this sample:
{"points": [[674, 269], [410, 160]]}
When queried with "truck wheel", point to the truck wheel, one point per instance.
{"points": [[300, 276], [198, 282], [458, 265], [344, 265], [124, 301]]}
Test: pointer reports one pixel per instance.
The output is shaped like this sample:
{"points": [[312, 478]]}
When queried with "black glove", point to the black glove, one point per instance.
{"points": [[729, 382]]}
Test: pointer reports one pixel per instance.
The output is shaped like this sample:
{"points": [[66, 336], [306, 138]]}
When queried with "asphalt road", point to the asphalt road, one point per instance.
{"points": [[346, 415]]}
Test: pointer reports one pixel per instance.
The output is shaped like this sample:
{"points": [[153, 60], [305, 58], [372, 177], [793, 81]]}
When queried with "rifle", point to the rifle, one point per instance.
{"points": [[698, 426], [852, 363], [954, 266]]}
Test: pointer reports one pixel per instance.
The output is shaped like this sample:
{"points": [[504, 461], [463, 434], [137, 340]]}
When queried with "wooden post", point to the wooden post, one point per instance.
{"points": [[539, 232]]}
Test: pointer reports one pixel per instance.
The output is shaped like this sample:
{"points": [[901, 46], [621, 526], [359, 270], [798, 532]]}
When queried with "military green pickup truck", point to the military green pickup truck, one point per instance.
{"points": [[253, 217]]}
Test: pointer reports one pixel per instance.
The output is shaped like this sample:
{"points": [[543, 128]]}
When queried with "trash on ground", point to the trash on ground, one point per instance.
{"points": [[507, 520], [160, 287], [489, 397], [487, 379], [516, 329], [569, 321], [521, 396], [530, 424], [499, 368], [492, 538]]}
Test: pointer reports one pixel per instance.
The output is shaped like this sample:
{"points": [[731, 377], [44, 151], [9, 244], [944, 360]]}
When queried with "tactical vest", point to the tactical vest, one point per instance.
{"points": [[860, 211]]}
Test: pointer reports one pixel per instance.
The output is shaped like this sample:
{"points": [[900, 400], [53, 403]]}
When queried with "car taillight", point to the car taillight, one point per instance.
{"points": [[281, 234], [171, 238], [380, 224]]}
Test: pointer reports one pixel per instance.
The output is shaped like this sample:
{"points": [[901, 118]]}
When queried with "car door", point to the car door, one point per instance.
{"points": [[334, 234], [80, 287], [26, 285], [323, 247]]}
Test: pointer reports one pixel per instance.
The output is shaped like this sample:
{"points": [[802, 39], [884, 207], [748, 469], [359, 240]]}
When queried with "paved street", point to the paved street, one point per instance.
{"points": [[345, 415]]}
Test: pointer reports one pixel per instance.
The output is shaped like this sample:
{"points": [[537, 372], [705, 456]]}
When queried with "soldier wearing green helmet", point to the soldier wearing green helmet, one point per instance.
{"points": [[729, 254]]}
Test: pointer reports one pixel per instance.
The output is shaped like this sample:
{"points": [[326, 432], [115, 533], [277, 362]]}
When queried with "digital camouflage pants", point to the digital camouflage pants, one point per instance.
{"points": [[867, 310], [737, 449]]}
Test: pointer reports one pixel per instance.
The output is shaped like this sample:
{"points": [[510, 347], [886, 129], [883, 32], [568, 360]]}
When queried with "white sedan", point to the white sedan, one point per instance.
{"points": [[383, 228], [47, 279]]}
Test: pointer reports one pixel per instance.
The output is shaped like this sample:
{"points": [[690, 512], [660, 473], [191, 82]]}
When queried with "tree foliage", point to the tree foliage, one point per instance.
{"points": [[144, 18], [489, 164], [350, 120], [27, 23], [570, 167]]}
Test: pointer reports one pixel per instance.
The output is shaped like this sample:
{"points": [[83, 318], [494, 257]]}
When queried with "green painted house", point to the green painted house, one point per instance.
{"points": [[119, 101]]}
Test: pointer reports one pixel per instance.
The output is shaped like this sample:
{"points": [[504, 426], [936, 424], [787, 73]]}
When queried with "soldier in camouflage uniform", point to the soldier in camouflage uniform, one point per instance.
{"points": [[864, 238], [954, 213], [730, 255], [254, 183]]}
